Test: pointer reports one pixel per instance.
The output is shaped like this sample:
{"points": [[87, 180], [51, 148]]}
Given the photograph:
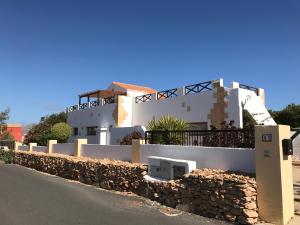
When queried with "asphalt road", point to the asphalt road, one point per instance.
{"points": [[28, 197]]}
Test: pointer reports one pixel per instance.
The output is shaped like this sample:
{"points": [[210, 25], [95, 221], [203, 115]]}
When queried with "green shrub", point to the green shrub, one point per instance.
{"points": [[41, 132], [60, 132], [168, 123], [7, 156]]}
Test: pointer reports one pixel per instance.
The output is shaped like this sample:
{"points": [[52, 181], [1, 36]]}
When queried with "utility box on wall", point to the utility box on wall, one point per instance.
{"points": [[167, 168]]}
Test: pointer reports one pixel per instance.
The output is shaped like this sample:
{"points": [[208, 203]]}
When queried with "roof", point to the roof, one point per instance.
{"points": [[101, 93], [135, 87], [8, 125]]}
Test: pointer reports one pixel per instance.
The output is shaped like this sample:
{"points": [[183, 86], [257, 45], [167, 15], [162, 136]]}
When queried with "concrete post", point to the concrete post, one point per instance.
{"points": [[50, 144], [218, 83], [17, 144], [273, 175], [235, 85], [78, 146], [31, 145], [154, 97], [136, 150], [181, 91]]}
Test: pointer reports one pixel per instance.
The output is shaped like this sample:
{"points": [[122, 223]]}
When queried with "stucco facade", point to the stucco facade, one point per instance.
{"points": [[205, 104]]}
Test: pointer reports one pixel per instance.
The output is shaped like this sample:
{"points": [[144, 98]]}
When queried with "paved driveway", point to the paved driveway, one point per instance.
{"points": [[296, 175], [28, 197]]}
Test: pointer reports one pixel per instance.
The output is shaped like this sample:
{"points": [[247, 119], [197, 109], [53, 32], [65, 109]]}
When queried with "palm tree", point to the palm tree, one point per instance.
{"points": [[167, 123]]}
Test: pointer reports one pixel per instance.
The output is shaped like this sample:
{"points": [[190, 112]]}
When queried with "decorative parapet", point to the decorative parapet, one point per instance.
{"points": [[185, 90], [175, 92]]}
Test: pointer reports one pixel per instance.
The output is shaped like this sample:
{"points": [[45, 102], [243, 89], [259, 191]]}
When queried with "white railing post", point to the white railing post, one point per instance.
{"points": [[181, 91]]}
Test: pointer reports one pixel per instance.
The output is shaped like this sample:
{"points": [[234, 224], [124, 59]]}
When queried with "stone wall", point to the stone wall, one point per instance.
{"points": [[212, 193]]}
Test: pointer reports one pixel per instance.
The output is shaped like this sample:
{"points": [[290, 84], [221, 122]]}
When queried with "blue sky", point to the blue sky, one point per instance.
{"points": [[50, 51]]}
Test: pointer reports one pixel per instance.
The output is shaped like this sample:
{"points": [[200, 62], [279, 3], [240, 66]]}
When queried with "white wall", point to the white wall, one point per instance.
{"points": [[117, 152], [234, 108], [206, 157], [40, 149], [100, 116], [126, 104], [23, 148], [65, 149], [199, 105]]}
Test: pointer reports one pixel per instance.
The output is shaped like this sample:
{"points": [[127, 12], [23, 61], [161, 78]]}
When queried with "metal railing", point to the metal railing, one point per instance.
{"points": [[94, 104], [167, 94], [143, 98], [239, 138], [83, 106], [109, 100], [249, 88], [73, 108], [197, 88]]}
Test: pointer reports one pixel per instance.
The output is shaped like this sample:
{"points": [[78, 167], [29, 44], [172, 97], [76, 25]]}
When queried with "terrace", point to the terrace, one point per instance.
{"points": [[95, 99], [103, 97]]}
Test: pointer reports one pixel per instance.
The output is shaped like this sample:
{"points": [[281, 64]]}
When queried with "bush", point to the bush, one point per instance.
{"points": [[127, 140], [168, 123], [60, 132], [7, 156], [41, 132]]}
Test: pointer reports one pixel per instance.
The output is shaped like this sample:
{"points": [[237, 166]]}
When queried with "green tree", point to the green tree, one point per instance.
{"points": [[60, 132], [290, 115], [41, 132], [7, 136], [168, 123], [4, 116]]}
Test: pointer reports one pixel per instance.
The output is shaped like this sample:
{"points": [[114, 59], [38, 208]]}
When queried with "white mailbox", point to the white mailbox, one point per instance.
{"points": [[168, 168]]}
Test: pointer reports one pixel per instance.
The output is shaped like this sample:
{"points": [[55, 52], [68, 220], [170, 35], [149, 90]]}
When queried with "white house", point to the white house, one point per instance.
{"points": [[108, 115]]}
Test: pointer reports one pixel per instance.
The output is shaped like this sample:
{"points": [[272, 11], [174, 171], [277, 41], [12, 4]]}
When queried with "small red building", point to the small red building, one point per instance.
{"points": [[15, 130]]}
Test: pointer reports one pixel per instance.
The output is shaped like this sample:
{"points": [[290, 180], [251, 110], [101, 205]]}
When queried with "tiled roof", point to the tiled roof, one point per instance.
{"points": [[135, 87]]}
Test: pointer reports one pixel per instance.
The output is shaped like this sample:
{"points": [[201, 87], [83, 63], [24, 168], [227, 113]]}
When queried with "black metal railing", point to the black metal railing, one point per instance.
{"points": [[94, 104], [167, 94], [143, 98], [83, 106], [73, 108], [109, 100], [249, 88], [197, 88], [238, 138]]}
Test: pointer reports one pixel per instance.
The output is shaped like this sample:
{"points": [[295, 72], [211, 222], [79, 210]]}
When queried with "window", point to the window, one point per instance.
{"points": [[75, 131], [91, 131]]}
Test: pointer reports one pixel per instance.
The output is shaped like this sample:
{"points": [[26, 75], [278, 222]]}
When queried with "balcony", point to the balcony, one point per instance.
{"points": [[95, 99]]}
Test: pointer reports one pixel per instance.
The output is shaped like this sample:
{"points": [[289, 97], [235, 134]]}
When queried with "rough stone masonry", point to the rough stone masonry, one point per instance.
{"points": [[213, 193]]}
